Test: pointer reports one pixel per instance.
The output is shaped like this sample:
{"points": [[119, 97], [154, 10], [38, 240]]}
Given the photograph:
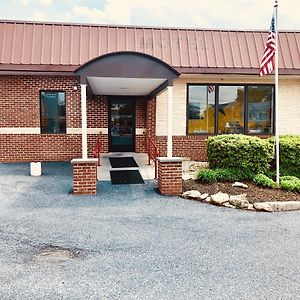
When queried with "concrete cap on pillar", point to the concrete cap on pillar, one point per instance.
{"points": [[170, 159], [84, 161]]}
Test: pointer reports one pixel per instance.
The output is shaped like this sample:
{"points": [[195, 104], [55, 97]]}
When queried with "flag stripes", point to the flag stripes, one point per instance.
{"points": [[267, 65], [211, 88]]}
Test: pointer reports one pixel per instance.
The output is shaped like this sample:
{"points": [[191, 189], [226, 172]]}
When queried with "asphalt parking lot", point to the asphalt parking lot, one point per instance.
{"points": [[128, 242]]}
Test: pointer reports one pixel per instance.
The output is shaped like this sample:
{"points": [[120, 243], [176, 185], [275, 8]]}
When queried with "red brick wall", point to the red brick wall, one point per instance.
{"points": [[97, 112], [20, 102], [191, 146], [140, 113], [20, 107], [140, 122], [151, 117], [34, 147]]}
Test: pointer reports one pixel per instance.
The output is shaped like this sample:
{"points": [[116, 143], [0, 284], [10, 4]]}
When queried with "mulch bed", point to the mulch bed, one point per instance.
{"points": [[254, 192]]}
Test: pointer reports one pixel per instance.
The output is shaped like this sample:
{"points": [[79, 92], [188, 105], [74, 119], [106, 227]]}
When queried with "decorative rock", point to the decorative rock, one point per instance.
{"points": [[263, 206], [227, 204], [187, 176], [219, 198], [239, 201], [250, 207], [277, 206], [240, 197], [203, 196], [193, 194], [207, 200], [240, 184]]}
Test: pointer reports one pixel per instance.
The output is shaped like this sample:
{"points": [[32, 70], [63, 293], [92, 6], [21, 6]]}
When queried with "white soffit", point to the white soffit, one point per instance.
{"points": [[123, 86]]}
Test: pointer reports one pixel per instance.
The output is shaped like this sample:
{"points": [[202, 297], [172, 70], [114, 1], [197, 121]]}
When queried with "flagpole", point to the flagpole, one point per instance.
{"points": [[276, 94]]}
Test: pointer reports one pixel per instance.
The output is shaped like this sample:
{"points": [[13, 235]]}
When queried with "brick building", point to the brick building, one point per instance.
{"points": [[63, 85]]}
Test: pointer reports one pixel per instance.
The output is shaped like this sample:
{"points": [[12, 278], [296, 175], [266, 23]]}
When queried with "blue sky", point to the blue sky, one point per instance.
{"points": [[235, 14]]}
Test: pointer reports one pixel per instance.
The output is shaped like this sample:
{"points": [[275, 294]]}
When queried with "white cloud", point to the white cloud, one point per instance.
{"points": [[39, 16], [46, 2], [27, 2], [246, 14], [237, 14]]}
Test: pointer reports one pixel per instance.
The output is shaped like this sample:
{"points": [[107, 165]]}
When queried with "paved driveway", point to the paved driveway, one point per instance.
{"points": [[130, 243]]}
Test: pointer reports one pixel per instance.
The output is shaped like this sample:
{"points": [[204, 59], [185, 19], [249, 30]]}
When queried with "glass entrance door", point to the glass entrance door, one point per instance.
{"points": [[122, 125]]}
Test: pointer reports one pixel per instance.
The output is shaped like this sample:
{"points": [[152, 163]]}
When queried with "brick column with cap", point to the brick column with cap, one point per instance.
{"points": [[170, 175], [84, 176]]}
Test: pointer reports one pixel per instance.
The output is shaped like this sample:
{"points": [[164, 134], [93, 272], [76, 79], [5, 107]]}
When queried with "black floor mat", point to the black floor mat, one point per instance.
{"points": [[122, 162], [126, 177]]}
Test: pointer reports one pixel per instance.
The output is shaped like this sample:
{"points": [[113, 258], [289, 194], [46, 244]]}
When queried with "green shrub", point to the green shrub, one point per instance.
{"points": [[265, 181], [206, 175], [290, 183], [289, 154], [247, 153], [231, 174], [219, 175]]}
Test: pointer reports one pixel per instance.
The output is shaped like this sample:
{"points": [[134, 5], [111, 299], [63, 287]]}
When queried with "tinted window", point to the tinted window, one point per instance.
{"points": [[201, 104], [53, 112], [260, 109], [231, 109]]}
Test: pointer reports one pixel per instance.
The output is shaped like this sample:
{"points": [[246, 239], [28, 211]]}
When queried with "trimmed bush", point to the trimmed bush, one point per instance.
{"points": [[289, 155], [215, 175], [265, 181], [290, 183], [247, 153]]}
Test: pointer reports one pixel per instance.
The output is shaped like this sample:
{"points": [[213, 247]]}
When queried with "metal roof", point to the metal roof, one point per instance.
{"points": [[59, 46]]}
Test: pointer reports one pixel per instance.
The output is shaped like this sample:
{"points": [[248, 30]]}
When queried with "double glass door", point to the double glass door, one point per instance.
{"points": [[121, 125]]}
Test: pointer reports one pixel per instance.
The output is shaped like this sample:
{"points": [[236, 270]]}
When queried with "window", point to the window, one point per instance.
{"points": [[218, 109], [201, 109], [53, 112], [260, 109], [231, 109]]}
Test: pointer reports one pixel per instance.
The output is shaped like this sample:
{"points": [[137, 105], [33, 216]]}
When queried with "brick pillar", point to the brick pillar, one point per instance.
{"points": [[84, 176], [151, 118], [170, 175]]}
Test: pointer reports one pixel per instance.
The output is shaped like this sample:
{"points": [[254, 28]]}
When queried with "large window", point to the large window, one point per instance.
{"points": [[201, 109], [218, 109], [53, 112], [260, 109], [231, 109]]}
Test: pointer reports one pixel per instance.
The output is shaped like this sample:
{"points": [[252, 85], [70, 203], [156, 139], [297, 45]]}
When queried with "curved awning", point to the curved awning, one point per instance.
{"points": [[126, 73]]}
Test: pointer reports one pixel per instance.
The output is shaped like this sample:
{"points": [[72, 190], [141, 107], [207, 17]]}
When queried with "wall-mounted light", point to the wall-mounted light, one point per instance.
{"points": [[75, 87]]}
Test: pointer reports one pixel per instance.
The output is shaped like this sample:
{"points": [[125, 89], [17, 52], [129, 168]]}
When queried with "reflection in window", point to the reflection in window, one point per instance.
{"points": [[260, 109], [201, 109], [230, 109], [53, 112]]}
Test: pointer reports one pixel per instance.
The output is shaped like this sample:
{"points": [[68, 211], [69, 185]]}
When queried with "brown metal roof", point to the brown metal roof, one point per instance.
{"points": [[34, 45]]}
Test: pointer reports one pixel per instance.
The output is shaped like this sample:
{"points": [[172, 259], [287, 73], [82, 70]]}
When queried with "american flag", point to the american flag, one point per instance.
{"points": [[211, 88], [268, 61]]}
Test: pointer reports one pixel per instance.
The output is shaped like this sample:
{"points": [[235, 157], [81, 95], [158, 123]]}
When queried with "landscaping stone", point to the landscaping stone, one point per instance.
{"points": [[250, 207], [193, 194], [187, 176], [240, 197], [227, 204], [277, 206], [240, 184], [219, 198], [239, 201], [207, 200], [196, 165], [203, 196]]}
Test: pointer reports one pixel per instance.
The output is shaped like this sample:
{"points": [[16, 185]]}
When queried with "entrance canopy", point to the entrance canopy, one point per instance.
{"points": [[126, 73]]}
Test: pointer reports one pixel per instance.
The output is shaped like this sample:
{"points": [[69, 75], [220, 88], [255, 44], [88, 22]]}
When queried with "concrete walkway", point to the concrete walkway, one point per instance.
{"points": [[130, 243], [147, 171]]}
